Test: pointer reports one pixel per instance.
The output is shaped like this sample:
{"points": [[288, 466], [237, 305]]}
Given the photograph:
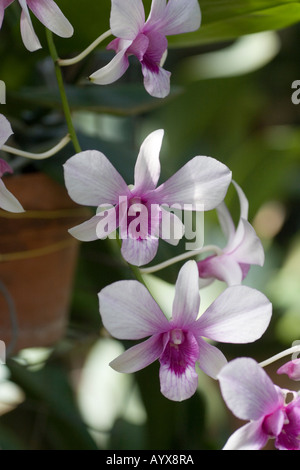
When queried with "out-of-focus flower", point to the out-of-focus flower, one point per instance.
{"points": [[8, 201], [243, 248], [47, 12], [129, 312], [90, 178], [291, 368], [146, 39], [251, 395]]}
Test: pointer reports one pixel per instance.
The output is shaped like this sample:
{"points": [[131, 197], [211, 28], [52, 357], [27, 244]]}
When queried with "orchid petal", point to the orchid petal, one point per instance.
{"points": [[127, 18], [211, 359], [180, 16], [247, 390], [226, 222], [4, 167], [246, 247], [3, 5], [202, 181], [187, 298], [221, 267], [128, 311], [139, 251], [248, 437], [178, 387], [51, 16], [244, 204], [291, 368], [157, 11], [157, 81], [8, 201], [147, 167], [92, 180], [171, 228], [5, 130], [225, 318], [113, 70], [139, 356], [29, 37], [94, 229]]}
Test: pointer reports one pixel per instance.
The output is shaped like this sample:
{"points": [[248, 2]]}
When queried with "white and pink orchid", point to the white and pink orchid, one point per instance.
{"points": [[49, 15], [129, 312], [251, 395], [146, 39], [8, 201], [242, 250], [91, 179]]}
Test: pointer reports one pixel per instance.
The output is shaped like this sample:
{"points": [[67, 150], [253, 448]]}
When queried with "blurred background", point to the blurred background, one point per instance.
{"points": [[231, 98]]}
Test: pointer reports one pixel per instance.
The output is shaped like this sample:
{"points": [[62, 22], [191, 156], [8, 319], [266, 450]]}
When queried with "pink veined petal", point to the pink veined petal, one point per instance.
{"points": [[92, 180], [247, 390], [29, 37], [127, 18], [248, 437], [147, 167], [5, 130], [178, 387], [113, 70], [128, 311], [202, 181], [221, 267], [8, 201], [4, 167], [180, 16], [139, 356], [171, 228], [211, 359], [51, 16], [139, 251], [178, 377], [157, 81], [187, 298], [273, 423], [246, 247], [225, 318]]}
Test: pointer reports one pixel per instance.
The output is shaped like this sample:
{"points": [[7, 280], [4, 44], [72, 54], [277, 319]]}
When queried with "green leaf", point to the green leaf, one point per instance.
{"points": [[224, 20], [123, 100]]}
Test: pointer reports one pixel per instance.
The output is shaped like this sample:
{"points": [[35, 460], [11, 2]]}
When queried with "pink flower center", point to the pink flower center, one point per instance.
{"points": [[138, 219], [181, 350]]}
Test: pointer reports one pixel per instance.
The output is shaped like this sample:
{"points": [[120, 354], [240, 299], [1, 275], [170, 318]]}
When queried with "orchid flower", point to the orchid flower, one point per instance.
{"points": [[8, 201], [129, 312], [90, 179], [146, 39], [291, 368], [251, 395], [47, 12], [243, 248]]}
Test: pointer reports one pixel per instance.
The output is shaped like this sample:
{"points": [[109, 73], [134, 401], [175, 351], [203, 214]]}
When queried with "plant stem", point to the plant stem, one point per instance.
{"points": [[278, 356], [64, 99]]}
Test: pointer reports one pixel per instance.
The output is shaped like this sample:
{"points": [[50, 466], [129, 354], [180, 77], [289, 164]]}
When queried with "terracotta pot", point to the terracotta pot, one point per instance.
{"points": [[37, 262]]}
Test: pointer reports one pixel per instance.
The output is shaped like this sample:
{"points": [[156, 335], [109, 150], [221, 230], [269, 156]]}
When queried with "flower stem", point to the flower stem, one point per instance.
{"points": [[64, 99], [38, 156], [83, 54], [278, 356], [176, 259]]}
